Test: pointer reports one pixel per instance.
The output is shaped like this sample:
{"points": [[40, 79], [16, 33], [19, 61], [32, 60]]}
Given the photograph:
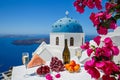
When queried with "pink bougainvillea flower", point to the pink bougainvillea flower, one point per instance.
{"points": [[115, 67], [98, 52], [85, 46], [108, 5], [94, 72], [100, 64], [108, 42], [90, 4], [90, 67], [84, 2], [89, 52], [98, 4], [76, 3], [103, 15], [58, 75], [115, 50], [92, 16], [89, 63], [96, 22], [101, 54], [100, 14], [97, 40], [119, 77], [94, 19], [102, 30], [110, 68], [97, 18], [107, 15], [113, 25], [49, 77], [80, 9], [106, 52], [107, 77], [79, 6]]}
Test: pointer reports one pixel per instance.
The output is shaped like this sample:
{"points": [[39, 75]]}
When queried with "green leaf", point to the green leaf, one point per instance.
{"points": [[93, 46], [117, 16], [118, 6]]}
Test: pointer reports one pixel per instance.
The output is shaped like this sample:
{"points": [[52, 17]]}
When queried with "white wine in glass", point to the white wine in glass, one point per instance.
{"points": [[78, 54], [25, 59]]}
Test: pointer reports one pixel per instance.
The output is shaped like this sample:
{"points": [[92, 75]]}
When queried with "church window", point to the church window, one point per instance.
{"points": [[57, 40], [71, 41], [60, 20], [60, 25]]}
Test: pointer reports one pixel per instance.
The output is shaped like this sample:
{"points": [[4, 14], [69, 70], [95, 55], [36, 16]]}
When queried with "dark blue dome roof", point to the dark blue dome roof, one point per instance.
{"points": [[66, 25]]}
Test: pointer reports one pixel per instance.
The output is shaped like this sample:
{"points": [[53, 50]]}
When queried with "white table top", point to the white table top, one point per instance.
{"points": [[19, 72]]}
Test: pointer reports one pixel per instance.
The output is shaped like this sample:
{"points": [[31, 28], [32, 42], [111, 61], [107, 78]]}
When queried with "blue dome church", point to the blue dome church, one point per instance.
{"points": [[66, 25], [64, 28]]}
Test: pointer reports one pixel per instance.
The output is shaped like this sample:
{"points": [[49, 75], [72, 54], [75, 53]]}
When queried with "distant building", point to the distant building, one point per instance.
{"points": [[64, 28]]}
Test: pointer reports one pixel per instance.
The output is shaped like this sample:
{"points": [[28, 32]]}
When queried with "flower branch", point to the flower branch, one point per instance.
{"points": [[101, 52]]}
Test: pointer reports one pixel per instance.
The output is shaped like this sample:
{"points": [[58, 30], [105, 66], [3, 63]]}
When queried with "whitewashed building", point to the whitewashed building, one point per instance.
{"points": [[64, 28], [115, 36]]}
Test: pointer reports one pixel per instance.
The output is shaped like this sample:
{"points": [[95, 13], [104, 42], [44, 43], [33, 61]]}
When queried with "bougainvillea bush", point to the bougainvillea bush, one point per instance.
{"points": [[102, 51]]}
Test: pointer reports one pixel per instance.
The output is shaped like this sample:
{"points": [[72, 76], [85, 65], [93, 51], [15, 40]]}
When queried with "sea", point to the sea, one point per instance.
{"points": [[11, 54]]}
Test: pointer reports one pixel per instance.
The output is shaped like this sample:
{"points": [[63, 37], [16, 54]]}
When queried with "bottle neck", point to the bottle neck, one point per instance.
{"points": [[65, 42]]}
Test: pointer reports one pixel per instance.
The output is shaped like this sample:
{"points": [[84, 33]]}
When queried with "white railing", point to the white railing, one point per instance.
{"points": [[6, 75]]}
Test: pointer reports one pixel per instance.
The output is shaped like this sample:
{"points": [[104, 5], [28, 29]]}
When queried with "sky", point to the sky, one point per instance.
{"points": [[37, 16]]}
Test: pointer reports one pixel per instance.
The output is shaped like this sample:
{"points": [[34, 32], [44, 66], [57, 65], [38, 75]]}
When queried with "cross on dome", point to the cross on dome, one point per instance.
{"points": [[67, 13]]}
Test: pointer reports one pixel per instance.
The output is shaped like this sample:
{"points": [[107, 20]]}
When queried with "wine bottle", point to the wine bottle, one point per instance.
{"points": [[66, 53]]}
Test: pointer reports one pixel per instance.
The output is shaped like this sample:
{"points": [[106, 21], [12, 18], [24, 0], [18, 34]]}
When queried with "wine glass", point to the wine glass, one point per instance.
{"points": [[78, 54], [25, 60]]}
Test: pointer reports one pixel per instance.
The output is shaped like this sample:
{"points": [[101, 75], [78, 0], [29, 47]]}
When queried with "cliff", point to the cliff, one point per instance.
{"points": [[30, 41]]}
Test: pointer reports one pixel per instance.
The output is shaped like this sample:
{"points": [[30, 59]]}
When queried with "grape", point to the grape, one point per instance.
{"points": [[39, 71], [43, 70], [55, 58], [56, 64]]}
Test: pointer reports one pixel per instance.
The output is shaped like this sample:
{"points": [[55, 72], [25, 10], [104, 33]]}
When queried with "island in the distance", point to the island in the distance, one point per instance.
{"points": [[30, 41]]}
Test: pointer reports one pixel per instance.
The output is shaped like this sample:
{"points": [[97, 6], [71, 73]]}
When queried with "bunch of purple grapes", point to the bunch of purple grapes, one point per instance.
{"points": [[56, 64], [42, 70]]}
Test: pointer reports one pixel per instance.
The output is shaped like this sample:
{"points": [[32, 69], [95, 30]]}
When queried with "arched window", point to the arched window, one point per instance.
{"points": [[71, 41], [57, 40]]}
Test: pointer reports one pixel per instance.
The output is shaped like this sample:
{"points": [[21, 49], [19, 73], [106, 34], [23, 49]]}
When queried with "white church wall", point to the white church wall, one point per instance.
{"points": [[45, 54], [58, 51], [77, 38], [62, 36], [53, 39]]}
